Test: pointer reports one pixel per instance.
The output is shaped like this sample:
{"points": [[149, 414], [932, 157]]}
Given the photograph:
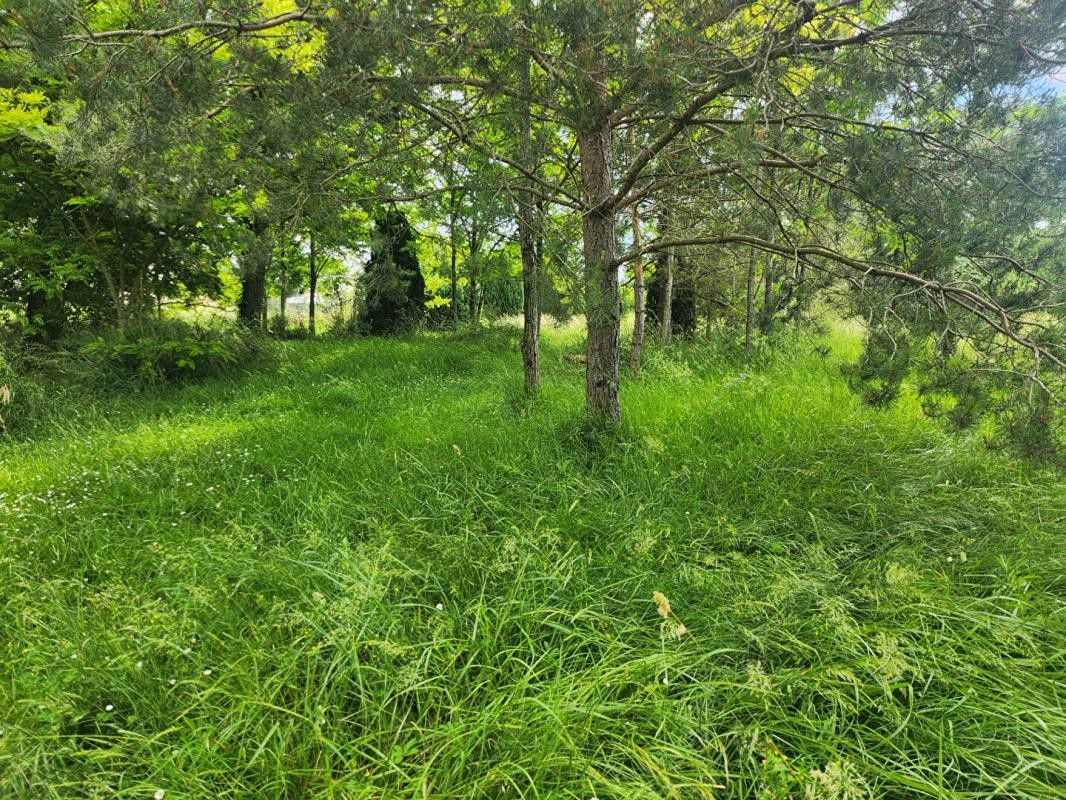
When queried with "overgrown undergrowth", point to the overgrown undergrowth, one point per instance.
{"points": [[42, 385], [375, 572]]}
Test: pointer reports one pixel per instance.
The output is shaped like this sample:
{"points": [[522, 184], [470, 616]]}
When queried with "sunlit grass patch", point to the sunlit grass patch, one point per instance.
{"points": [[368, 573]]}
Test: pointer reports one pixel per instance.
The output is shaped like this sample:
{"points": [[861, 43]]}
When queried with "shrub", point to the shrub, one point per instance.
{"points": [[343, 322], [393, 286], [174, 350], [286, 328], [37, 382]]}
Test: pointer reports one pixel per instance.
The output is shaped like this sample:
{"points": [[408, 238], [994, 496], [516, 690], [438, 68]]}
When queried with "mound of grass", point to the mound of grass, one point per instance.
{"points": [[376, 573]]}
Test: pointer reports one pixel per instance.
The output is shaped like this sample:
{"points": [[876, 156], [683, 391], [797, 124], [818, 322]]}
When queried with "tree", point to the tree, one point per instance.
{"points": [[394, 291], [70, 252], [912, 115]]}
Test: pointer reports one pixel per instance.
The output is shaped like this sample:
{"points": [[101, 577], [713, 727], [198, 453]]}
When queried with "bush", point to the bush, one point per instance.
{"points": [[37, 382], [343, 322], [173, 350], [286, 328]]}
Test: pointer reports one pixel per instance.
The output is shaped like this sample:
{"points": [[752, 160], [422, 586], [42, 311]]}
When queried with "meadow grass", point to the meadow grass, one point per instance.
{"points": [[376, 571]]}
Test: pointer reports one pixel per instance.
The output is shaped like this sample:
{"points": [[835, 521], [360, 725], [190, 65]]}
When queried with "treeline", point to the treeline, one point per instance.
{"points": [[712, 167], [78, 259]]}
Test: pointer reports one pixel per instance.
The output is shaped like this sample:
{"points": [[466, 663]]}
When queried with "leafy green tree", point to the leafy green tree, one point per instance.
{"points": [[68, 253]]}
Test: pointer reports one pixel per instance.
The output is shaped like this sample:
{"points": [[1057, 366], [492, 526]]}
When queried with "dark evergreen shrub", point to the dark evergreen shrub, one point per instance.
{"points": [[394, 291]]}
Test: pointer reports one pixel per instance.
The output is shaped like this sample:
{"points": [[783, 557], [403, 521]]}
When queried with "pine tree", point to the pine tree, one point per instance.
{"points": [[394, 291]]}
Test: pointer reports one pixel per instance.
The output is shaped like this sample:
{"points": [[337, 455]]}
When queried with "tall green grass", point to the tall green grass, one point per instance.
{"points": [[377, 572]]}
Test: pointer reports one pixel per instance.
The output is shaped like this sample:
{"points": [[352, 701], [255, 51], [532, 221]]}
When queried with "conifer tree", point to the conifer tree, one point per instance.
{"points": [[394, 290]]}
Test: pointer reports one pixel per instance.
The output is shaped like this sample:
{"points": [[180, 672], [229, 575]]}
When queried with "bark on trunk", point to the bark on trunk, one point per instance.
{"points": [[749, 323], [602, 301], [312, 268], [767, 317], [253, 295], [527, 242], [637, 349], [455, 290], [472, 303], [474, 245], [530, 300], [251, 308], [799, 302], [454, 256], [666, 330], [284, 296]]}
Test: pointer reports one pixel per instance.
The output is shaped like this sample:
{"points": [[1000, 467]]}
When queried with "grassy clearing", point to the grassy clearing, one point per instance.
{"points": [[374, 572]]}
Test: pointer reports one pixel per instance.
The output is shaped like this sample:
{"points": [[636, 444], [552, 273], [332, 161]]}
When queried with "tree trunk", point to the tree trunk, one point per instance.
{"points": [[602, 301], [472, 305], [284, 294], [637, 349], [527, 244], [455, 288], [800, 273], [474, 246], [530, 300], [767, 317], [117, 292], [454, 255], [666, 319], [251, 308], [312, 273], [137, 304], [749, 323], [253, 294]]}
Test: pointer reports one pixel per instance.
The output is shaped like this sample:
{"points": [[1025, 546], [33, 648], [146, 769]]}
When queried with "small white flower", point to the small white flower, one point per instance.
{"points": [[207, 672], [173, 681], [665, 679], [440, 606], [109, 707], [159, 794]]}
